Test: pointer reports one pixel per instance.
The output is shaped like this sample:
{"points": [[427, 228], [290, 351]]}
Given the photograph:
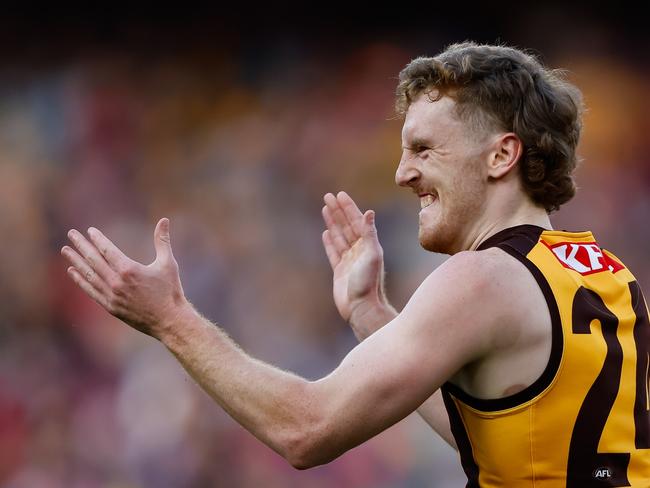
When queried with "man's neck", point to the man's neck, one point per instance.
{"points": [[487, 227]]}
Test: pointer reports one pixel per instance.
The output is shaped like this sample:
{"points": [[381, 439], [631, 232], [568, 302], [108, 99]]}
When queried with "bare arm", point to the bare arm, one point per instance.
{"points": [[382, 380], [433, 410], [356, 258]]}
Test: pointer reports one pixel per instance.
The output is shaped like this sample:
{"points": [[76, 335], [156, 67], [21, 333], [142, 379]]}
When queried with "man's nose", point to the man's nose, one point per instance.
{"points": [[407, 173]]}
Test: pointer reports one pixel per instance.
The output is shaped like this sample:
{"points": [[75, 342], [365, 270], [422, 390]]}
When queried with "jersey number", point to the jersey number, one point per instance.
{"points": [[586, 466]]}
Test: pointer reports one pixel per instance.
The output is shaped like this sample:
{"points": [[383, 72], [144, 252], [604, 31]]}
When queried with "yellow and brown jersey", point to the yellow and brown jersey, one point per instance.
{"points": [[586, 421]]}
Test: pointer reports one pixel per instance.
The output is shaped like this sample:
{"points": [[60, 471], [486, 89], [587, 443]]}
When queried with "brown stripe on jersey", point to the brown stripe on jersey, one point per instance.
{"points": [[521, 237], [642, 341], [584, 459], [462, 440], [518, 242]]}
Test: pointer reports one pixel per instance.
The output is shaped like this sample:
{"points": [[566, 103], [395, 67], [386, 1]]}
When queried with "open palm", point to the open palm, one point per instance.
{"points": [[354, 253]]}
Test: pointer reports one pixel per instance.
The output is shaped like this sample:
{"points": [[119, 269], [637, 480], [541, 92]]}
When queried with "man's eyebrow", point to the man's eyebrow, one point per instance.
{"points": [[418, 142]]}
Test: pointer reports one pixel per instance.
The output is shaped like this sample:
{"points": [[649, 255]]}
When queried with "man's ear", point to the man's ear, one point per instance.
{"points": [[507, 151]]}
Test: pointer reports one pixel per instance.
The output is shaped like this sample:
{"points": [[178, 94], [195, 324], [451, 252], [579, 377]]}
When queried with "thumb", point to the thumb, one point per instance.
{"points": [[162, 241], [369, 220]]}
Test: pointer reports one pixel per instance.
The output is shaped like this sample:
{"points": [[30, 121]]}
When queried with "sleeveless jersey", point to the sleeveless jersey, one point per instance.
{"points": [[585, 422]]}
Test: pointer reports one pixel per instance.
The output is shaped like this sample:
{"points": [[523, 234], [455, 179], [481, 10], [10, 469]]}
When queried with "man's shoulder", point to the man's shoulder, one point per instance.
{"points": [[490, 269], [491, 286], [467, 278], [476, 303]]}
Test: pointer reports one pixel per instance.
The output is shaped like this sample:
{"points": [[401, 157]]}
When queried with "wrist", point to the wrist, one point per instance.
{"points": [[176, 323], [370, 315]]}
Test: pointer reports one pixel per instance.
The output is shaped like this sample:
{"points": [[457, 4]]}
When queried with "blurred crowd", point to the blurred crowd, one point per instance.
{"points": [[238, 150]]}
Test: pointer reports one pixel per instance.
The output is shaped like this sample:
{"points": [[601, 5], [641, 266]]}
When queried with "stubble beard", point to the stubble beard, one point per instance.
{"points": [[438, 237], [446, 235]]}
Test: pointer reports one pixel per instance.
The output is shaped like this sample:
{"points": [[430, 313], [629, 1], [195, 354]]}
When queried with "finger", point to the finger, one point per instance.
{"points": [[329, 220], [90, 254], [330, 249], [88, 289], [340, 219], [115, 258], [162, 240], [336, 236], [369, 223], [351, 212], [85, 270], [331, 224]]}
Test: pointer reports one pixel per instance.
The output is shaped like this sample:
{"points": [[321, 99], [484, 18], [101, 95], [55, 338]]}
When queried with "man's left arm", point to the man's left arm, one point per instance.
{"points": [[382, 380]]}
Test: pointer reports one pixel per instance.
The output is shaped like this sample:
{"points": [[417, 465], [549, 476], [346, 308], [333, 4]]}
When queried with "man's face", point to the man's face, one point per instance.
{"points": [[444, 162]]}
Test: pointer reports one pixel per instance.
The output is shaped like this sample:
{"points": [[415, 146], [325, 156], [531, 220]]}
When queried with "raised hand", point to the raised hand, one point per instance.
{"points": [[146, 297], [355, 255]]}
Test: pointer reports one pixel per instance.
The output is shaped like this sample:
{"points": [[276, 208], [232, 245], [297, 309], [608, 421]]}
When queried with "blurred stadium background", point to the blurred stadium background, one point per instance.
{"points": [[235, 126]]}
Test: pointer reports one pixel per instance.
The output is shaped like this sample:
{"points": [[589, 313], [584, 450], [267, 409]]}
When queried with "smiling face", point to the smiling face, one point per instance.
{"points": [[444, 163]]}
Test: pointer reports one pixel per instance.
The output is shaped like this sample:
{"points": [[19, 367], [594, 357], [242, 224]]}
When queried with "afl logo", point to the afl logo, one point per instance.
{"points": [[602, 473]]}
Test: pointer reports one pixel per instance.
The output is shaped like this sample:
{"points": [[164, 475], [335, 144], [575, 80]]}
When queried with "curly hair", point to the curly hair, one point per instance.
{"points": [[507, 89]]}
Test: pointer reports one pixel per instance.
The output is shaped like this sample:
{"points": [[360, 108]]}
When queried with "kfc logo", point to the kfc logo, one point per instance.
{"points": [[584, 257]]}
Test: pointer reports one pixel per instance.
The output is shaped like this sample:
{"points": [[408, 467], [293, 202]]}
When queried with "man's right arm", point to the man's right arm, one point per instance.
{"points": [[370, 318], [356, 258]]}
